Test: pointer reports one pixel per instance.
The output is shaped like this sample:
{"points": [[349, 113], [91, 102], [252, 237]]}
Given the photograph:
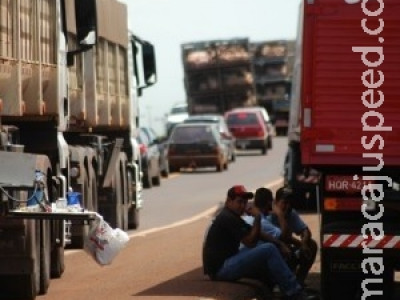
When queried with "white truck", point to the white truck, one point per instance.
{"points": [[70, 77]]}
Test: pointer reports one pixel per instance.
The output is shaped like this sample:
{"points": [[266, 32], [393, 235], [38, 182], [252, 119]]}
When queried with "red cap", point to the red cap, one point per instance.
{"points": [[239, 191]]}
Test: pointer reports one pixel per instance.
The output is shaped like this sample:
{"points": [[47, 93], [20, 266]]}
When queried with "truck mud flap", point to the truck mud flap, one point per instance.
{"points": [[19, 263], [343, 278]]}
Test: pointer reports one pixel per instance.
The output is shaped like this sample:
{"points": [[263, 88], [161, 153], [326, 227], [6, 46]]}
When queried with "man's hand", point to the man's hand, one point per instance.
{"points": [[284, 249], [305, 251], [278, 210]]}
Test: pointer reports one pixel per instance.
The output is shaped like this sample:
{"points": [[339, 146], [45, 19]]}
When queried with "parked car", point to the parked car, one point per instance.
{"points": [[249, 129], [152, 135], [197, 145], [223, 129], [149, 160]]}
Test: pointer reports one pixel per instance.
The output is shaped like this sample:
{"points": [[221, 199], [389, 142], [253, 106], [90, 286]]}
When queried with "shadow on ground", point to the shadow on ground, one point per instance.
{"points": [[195, 284]]}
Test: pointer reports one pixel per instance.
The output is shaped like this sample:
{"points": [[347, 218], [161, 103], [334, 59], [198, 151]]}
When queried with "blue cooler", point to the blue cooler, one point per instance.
{"points": [[74, 198]]}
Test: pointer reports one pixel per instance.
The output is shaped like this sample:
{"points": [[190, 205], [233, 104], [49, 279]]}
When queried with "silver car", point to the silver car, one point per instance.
{"points": [[223, 129]]}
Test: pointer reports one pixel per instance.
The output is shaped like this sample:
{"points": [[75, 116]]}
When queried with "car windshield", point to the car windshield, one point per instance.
{"points": [[242, 118], [196, 134], [193, 120]]}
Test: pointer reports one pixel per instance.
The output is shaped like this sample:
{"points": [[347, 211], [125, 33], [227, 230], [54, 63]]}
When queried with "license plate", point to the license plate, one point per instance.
{"points": [[339, 183], [243, 144]]}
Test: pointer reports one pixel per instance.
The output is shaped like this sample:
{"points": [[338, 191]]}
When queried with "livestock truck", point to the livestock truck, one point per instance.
{"points": [[272, 62], [218, 75], [344, 124], [70, 76]]}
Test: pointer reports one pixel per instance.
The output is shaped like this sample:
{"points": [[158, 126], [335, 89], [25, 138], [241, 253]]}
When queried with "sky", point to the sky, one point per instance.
{"points": [[169, 23]]}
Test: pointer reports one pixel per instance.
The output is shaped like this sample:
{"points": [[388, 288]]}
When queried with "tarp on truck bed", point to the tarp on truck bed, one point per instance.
{"points": [[351, 99]]}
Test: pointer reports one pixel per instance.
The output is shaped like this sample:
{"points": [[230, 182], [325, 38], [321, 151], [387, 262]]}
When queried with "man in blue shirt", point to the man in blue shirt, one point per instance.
{"points": [[294, 232]]}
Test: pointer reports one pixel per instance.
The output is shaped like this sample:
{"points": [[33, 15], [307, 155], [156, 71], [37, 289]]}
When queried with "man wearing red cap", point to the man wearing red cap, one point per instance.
{"points": [[222, 259]]}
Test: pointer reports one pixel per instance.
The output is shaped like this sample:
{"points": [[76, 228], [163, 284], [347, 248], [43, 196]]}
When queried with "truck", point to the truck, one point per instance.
{"points": [[272, 64], [344, 141], [70, 76], [218, 75]]}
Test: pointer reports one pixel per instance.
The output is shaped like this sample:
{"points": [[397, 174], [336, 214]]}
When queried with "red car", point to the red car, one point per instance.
{"points": [[249, 129]]}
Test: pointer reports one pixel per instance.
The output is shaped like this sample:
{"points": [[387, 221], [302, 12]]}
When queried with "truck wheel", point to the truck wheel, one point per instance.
{"points": [[25, 286], [44, 256], [134, 218], [79, 230], [116, 215], [92, 204], [133, 212], [57, 251], [126, 200]]}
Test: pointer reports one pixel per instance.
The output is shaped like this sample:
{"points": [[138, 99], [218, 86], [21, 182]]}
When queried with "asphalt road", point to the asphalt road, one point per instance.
{"points": [[163, 257], [191, 192]]}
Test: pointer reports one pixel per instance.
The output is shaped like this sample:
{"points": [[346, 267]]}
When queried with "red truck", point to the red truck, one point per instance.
{"points": [[344, 140]]}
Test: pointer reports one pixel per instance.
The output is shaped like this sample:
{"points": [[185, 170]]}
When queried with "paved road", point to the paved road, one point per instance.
{"points": [[165, 263], [163, 258], [192, 192]]}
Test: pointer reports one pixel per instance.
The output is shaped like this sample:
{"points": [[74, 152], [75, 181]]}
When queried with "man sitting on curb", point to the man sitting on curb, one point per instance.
{"points": [[222, 259], [291, 224]]}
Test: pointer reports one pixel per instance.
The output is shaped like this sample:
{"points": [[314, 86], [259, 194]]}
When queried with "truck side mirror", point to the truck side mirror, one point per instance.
{"points": [[149, 63]]}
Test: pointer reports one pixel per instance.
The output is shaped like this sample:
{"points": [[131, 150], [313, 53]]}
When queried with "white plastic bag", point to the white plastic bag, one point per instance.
{"points": [[103, 243]]}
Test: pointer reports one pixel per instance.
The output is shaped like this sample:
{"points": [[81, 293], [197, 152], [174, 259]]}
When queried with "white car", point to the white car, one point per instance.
{"points": [[177, 115]]}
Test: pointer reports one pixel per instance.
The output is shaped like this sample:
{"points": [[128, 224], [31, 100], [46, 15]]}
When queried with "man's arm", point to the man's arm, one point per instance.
{"points": [[300, 228], [286, 233], [305, 236], [284, 249], [250, 240]]}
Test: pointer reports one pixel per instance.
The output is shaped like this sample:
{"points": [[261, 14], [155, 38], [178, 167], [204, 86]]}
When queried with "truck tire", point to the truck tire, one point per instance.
{"points": [[115, 206], [35, 234], [126, 200], [79, 230], [57, 251], [134, 218], [25, 284], [133, 213], [44, 227]]}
